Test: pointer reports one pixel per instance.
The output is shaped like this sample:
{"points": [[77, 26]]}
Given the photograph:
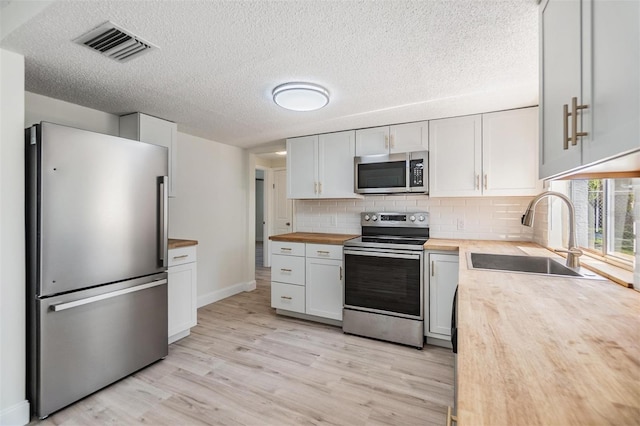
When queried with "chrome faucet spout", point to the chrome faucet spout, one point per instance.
{"points": [[573, 252]]}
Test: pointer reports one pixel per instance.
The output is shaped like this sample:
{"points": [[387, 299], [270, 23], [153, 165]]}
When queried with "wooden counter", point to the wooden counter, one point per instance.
{"points": [[537, 350], [175, 243], [313, 237]]}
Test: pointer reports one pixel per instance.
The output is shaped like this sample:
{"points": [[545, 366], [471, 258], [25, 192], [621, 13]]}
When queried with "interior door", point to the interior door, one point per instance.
{"points": [[282, 206]]}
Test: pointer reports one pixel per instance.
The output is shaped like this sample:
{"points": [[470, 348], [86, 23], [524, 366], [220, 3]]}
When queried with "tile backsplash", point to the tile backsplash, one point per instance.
{"points": [[482, 218]]}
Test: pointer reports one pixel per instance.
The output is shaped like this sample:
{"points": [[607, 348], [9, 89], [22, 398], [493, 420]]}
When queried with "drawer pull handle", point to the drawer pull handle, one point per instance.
{"points": [[574, 120], [286, 297], [285, 249], [450, 417], [285, 270], [323, 252], [180, 257]]}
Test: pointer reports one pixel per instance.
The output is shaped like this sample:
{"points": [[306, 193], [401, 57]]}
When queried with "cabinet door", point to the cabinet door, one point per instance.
{"points": [[613, 116], [373, 141], [409, 137], [335, 164], [510, 153], [324, 288], [455, 157], [181, 293], [443, 279], [302, 167], [560, 81]]}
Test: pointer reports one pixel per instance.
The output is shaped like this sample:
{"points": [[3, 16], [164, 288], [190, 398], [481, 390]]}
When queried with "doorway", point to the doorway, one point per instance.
{"points": [[282, 206]]}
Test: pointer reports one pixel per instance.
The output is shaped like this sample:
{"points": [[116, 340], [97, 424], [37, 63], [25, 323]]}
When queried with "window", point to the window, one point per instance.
{"points": [[605, 220]]}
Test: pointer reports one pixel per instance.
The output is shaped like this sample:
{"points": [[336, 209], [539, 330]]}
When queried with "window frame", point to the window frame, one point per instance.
{"points": [[607, 252]]}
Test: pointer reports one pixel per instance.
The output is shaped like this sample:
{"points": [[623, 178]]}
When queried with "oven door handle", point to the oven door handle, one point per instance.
{"points": [[413, 256]]}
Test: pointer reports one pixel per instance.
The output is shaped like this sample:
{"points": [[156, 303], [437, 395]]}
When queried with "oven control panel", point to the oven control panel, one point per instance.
{"points": [[408, 219]]}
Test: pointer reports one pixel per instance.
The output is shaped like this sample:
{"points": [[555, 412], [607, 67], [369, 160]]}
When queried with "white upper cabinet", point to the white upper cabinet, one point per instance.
{"points": [[491, 154], [590, 52], [398, 138], [373, 141], [302, 167], [145, 128], [335, 165], [510, 153], [321, 166], [455, 157]]}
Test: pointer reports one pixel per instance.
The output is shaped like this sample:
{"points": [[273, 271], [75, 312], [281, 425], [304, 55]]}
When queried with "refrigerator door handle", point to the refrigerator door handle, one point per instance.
{"points": [[163, 247], [64, 306]]}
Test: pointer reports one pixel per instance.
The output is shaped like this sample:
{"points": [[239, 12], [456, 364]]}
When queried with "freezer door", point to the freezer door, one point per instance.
{"points": [[102, 209], [91, 338]]}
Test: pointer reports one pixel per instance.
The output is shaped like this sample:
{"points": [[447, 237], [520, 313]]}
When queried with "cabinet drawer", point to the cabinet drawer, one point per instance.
{"points": [[287, 269], [286, 248], [287, 296], [181, 255], [324, 251]]}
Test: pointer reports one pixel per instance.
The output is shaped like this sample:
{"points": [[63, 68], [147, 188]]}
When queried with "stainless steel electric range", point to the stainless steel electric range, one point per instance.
{"points": [[383, 285]]}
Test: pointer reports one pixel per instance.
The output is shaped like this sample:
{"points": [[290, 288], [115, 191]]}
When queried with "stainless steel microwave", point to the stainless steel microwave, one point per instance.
{"points": [[392, 173]]}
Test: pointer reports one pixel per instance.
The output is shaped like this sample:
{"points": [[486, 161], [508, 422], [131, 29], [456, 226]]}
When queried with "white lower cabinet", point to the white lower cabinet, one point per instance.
{"points": [[182, 292], [307, 279], [441, 283], [289, 297], [324, 288]]}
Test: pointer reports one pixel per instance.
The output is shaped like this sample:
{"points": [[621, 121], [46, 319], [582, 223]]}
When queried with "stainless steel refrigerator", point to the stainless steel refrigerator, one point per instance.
{"points": [[96, 261]]}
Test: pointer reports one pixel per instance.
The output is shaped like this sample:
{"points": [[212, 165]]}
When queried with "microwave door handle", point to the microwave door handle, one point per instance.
{"points": [[407, 187]]}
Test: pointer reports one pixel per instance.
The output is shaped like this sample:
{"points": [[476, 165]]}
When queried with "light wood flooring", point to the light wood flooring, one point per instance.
{"points": [[245, 365]]}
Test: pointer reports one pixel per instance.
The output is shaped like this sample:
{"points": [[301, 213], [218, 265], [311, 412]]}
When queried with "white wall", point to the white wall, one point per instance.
{"points": [[483, 218], [42, 108], [212, 208], [14, 409]]}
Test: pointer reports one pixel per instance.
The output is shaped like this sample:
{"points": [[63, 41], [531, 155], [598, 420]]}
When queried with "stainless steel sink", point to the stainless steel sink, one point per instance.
{"points": [[526, 264]]}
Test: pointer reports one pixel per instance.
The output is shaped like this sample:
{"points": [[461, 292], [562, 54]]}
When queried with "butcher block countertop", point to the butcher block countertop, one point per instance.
{"points": [[175, 243], [538, 350], [313, 237]]}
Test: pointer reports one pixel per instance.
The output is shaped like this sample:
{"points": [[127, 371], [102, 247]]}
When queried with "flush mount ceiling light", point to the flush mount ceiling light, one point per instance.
{"points": [[300, 96]]}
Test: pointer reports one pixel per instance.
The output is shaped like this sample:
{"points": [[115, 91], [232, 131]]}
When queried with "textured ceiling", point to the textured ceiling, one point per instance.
{"points": [[382, 61]]}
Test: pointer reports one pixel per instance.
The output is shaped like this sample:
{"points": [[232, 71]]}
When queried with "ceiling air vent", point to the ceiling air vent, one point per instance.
{"points": [[115, 42]]}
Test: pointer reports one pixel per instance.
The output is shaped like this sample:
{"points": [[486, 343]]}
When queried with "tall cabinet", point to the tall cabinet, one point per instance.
{"points": [[589, 86]]}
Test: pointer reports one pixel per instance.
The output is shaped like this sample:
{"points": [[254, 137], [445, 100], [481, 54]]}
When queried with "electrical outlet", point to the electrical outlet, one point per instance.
{"points": [[334, 220], [460, 224]]}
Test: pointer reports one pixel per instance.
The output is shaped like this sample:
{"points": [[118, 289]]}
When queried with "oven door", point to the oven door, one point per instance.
{"points": [[384, 281]]}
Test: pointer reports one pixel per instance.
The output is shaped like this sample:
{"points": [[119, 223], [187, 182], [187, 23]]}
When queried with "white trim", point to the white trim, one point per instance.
{"points": [[217, 295], [180, 335], [17, 414]]}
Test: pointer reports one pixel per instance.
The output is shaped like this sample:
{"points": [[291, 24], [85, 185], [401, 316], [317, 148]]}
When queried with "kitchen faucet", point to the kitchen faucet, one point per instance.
{"points": [[573, 252]]}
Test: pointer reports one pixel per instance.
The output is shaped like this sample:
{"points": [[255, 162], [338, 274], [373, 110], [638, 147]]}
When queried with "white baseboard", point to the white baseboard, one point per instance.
{"points": [[214, 296], [17, 414]]}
